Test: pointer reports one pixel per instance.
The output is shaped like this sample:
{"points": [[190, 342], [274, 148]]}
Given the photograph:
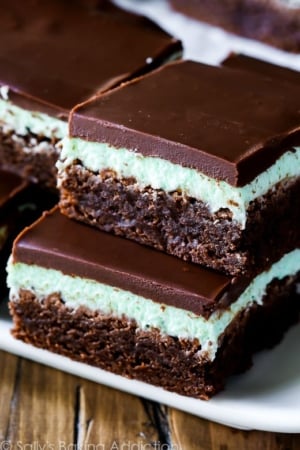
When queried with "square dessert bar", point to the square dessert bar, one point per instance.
{"points": [[200, 162], [20, 204], [276, 22], [140, 313], [56, 56]]}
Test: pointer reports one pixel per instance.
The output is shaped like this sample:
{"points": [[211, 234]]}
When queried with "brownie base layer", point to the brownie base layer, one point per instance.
{"points": [[31, 156], [184, 227], [254, 19], [119, 346]]}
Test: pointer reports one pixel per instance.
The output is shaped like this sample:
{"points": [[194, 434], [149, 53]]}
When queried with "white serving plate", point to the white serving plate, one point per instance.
{"points": [[267, 397]]}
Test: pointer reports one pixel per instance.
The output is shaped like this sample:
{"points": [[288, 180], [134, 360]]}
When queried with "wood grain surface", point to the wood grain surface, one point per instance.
{"points": [[45, 409]]}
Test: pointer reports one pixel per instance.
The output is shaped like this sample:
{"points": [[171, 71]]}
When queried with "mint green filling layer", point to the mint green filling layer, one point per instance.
{"points": [[20, 120], [161, 174], [148, 314]]}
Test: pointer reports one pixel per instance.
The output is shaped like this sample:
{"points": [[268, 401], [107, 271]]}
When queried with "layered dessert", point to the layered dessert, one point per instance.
{"points": [[193, 160], [20, 204], [276, 22], [52, 57], [141, 313]]}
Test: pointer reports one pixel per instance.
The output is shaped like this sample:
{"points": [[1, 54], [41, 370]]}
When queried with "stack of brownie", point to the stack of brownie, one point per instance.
{"points": [[197, 167]]}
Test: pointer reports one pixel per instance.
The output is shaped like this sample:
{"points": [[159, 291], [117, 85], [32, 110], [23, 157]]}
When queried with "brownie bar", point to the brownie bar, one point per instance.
{"points": [[140, 313], [190, 170], [20, 204], [120, 346], [276, 22], [39, 54]]}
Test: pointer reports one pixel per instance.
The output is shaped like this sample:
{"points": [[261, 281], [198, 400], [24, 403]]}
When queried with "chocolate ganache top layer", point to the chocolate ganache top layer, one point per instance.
{"points": [[10, 185], [55, 242], [55, 54], [243, 62], [227, 124]]}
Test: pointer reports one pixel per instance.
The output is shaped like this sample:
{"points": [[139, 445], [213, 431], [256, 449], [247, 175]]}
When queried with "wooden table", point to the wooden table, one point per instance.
{"points": [[45, 409]]}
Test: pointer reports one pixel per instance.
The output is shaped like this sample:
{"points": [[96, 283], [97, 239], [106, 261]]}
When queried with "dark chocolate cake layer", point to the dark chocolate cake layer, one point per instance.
{"points": [[183, 226], [276, 22], [118, 345]]}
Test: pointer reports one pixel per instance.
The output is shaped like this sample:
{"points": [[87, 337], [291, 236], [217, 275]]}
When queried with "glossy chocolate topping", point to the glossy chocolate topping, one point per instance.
{"points": [[55, 54], [243, 62], [10, 185], [229, 125], [56, 242]]}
